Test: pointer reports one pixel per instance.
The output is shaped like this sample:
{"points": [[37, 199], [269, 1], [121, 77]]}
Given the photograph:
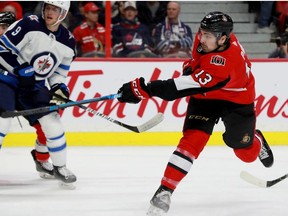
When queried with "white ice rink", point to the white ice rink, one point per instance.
{"points": [[119, 181]]}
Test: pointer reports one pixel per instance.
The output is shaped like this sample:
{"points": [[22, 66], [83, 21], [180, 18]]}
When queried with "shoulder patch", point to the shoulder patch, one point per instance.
{"points": [[33, 17], [218, 60], [70, 35]]}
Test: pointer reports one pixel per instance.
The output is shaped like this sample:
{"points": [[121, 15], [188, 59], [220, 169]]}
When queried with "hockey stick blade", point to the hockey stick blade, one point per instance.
{"points": [[159, 117], [9, 114], [149, 124], [260, 182]]}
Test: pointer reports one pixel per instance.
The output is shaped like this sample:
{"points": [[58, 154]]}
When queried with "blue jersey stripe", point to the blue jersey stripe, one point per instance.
{"points": [[5, 41], [65, 67]]}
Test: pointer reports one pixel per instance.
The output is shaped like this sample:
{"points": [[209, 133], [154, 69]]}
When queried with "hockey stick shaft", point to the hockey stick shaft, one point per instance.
{"points": [[9, 114], [138, 129], [275, 181], [260, 182]]}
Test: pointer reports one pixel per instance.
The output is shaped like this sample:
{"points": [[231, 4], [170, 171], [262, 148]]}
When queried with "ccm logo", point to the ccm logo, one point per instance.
{"points": [[136, 90]]}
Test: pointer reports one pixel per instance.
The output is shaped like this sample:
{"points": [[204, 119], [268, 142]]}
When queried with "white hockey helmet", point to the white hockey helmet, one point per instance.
{"points": [[63, 5]]}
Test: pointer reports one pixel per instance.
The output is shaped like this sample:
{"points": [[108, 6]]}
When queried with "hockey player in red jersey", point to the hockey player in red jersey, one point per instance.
{"points": [[220, 84]]}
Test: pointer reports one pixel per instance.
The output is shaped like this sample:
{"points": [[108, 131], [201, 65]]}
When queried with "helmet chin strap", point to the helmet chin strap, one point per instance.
{"points": [[59, 20]]}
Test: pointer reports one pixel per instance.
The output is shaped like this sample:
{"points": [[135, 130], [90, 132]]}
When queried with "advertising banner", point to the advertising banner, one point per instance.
{"points": [[90, 78]]}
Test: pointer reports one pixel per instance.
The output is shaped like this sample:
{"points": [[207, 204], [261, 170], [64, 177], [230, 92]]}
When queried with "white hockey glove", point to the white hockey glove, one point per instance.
{"points": [[62, 90]]}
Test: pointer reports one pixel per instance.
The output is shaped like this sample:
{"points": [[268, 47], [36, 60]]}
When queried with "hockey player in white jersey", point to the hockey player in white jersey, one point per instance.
{"points": [[34, 51], [40, 154]]}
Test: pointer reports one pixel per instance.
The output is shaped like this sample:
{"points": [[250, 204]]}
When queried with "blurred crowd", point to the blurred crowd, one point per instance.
{"points": [[138, 28], [272, 18], [149, 28]]}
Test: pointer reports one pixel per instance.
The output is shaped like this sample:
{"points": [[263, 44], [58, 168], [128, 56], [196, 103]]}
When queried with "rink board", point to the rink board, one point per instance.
{"points": [[130, 139], [90, 78]]}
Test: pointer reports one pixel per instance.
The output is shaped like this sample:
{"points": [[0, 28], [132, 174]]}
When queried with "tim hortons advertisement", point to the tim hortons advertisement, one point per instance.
{"points": [[94, 78]]}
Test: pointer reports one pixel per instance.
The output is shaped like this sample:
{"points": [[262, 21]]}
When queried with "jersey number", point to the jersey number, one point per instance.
{"points": [[17, 30], [203, 80]]}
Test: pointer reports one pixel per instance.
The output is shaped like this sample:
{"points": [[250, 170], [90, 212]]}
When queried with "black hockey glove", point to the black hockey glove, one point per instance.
{"points": [[62, 90], [134, 91], [187, 68], [26, 75]]}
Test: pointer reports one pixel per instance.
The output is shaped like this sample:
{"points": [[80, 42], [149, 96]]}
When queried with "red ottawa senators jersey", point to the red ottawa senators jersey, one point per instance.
{"points": [[90, 39], [211, 68]]}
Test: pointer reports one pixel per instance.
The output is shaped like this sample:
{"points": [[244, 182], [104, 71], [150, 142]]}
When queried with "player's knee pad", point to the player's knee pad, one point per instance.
{"points": [[53, 131], [249, 154], [193, 141], [5, 124]]}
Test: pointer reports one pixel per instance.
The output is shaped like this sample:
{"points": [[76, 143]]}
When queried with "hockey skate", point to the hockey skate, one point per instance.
{"points": [[265, 155], [160, 202], [65, 176], [45, 169]]}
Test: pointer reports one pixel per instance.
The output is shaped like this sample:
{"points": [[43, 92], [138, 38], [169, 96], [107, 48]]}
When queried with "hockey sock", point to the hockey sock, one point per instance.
{"points": [[180, 162], [42, 156], [250, 153], [5, 124], [55, 138], [41, 152], [40, 134]]}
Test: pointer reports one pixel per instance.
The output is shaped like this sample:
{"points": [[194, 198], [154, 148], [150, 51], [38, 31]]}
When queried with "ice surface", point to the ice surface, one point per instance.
{"points": [[119, 181]]}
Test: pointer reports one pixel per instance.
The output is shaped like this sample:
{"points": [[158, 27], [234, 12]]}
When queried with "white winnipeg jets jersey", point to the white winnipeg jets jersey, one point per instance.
{"points": [[29, 40]]}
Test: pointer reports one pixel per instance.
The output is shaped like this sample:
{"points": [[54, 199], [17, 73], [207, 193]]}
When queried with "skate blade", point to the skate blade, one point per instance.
{"points": [[154, 211], [46, 176], [66, 186]]}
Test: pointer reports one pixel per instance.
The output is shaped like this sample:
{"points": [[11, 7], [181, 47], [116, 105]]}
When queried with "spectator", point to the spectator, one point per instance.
{"points": [[90, 35], [265, 16], [281, 50], [30, 7], [130, 38], [282, 10], [172, 37], [13, 7], [76, 14], [118, 12], [150, 13]]}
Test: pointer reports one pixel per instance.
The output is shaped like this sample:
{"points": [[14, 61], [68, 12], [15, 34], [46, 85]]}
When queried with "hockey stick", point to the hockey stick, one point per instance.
{"points": [[138, 129], [9, 114], [260, 182]]}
